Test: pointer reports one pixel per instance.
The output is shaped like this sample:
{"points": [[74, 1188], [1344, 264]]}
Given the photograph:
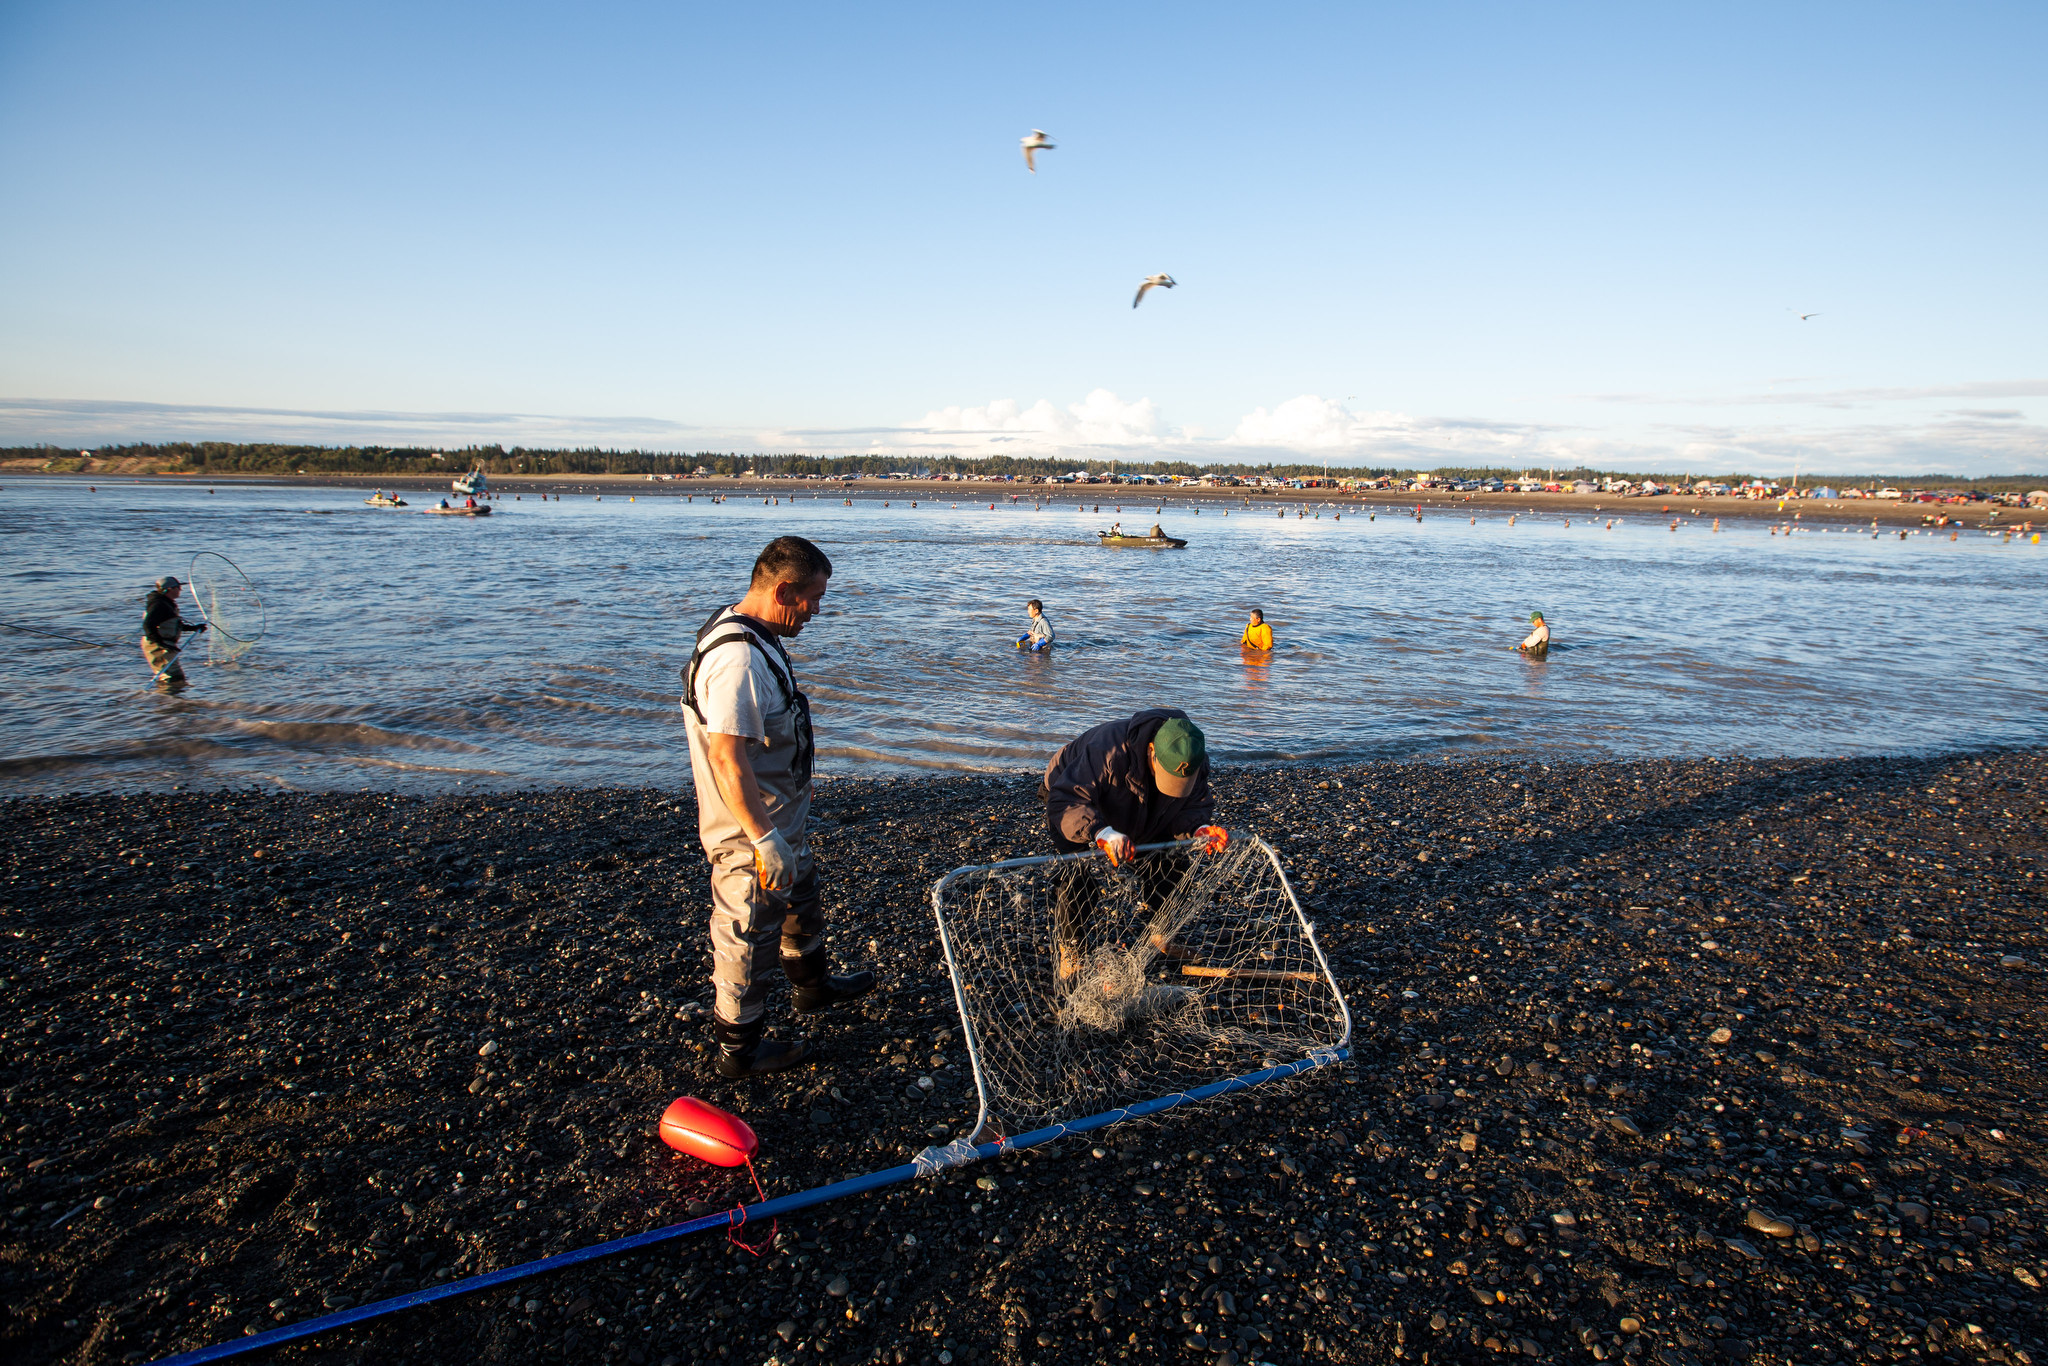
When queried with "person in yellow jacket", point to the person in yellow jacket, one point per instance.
{"points": [[1257, 635]]}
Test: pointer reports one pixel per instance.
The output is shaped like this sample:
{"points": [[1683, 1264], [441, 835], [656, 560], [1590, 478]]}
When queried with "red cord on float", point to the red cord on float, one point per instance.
{"points": [[704, 1131]]}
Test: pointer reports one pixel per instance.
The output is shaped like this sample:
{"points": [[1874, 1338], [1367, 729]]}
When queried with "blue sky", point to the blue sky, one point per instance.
{"points": [[1502, 234]]}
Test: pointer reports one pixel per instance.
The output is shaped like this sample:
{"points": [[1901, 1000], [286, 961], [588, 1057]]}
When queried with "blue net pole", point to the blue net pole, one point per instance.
{"points": [[927, 1163]]}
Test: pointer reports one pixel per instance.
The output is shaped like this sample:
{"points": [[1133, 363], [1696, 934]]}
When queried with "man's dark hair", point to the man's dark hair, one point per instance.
{"points": [[1036, 603], [1259, 613], [790, 559]]}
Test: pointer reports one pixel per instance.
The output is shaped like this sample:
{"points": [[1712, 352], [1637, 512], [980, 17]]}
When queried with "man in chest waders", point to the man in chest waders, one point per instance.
{"points": [[750, 752], [161, 628]]}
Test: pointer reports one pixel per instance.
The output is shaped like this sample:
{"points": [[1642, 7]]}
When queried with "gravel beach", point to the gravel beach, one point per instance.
{"points": [[1681, 1061]]}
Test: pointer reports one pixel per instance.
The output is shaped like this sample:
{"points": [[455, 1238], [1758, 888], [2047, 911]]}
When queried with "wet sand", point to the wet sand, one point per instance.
{"points": [[1749, 1053]]}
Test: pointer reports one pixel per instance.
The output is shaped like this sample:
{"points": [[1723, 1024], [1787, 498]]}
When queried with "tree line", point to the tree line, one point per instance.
{"points": [[230, 458]]}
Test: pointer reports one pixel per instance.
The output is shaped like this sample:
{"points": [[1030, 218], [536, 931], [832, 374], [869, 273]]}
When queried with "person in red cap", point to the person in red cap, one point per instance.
{"points": [[1144, 780]]}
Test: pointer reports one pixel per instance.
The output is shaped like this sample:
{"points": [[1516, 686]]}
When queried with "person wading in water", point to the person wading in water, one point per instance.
{"points": [[161, 627], [750, 752]]}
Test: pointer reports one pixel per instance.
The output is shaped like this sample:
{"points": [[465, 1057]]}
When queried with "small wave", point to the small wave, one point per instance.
{"points": [[902, 760], [601, 709], [350, 733], [372, 761]]}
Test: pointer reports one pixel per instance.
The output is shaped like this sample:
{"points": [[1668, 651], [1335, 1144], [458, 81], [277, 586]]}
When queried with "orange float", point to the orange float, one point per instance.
{"points": [[691, 1126]]}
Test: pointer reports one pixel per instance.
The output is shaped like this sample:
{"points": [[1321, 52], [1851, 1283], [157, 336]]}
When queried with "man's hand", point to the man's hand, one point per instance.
{"points": [[1212, 839], [1116, 844], [774, 862], [204, 625]]}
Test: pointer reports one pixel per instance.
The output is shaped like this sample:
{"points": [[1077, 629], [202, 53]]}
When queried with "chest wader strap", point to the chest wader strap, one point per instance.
{"points": [[806, 743]]}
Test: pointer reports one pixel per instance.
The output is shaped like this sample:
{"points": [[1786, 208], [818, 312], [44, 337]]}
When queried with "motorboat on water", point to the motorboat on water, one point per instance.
{"points": [[1142, 542], [471, 508], [473, 484], [381, 499]]}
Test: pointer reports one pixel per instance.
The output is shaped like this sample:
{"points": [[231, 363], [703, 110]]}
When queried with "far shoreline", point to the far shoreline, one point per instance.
{"points": [[1130, 499]]}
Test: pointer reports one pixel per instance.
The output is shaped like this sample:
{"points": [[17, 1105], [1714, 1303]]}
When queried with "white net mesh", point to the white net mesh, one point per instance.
{"points": [[228, 601], [1085, 988]]}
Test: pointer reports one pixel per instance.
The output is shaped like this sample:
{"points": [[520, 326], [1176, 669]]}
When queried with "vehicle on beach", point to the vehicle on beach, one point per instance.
{"points": [[1143, 542]]}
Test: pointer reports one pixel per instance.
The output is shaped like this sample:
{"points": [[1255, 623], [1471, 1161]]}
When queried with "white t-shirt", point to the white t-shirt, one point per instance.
{"points": [[736, 687]]}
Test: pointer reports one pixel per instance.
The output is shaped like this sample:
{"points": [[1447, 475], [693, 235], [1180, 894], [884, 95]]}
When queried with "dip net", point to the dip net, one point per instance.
{"points": [[228, 601], [1084, 988]]}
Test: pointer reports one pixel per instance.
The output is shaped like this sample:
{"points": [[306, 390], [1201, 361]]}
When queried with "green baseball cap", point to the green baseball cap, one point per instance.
{"points": [[1178, 747], [1535, 616]]}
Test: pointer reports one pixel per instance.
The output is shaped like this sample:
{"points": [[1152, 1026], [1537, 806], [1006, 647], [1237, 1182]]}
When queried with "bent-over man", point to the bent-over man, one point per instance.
{"points": [[751, 749], [1143, 780], [161, 628]]}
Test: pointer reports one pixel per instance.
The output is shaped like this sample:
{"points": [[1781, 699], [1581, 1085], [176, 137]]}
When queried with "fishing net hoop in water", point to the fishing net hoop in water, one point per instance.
{"points": [[1083, 989], [229, 602]]}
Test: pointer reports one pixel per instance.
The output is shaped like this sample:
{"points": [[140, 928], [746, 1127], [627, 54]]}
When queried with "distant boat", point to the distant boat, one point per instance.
{"points": [[480, 510], [378, 500], [473, 483], [1143, 542]]}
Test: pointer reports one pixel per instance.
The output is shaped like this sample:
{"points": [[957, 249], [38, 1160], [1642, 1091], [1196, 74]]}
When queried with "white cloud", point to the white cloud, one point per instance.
{"points": [[1099, 420], [1307, 427], [1307, 423]]}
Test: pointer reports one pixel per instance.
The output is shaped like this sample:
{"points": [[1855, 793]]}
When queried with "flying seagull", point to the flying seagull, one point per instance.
{"points": [[1802, 316], [1037, 142], [1163, 281]]}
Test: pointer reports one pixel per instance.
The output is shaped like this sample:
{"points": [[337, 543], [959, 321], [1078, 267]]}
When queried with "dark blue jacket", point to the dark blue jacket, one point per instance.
{"points": [[1104, 777]]}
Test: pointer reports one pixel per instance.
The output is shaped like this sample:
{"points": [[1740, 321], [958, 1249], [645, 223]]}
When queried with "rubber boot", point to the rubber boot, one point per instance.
{"points": [[815, 989], [742, 1052]]}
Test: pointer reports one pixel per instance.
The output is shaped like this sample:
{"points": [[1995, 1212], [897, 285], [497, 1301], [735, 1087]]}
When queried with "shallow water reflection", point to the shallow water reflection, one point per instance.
{"points": [[541, 645]]}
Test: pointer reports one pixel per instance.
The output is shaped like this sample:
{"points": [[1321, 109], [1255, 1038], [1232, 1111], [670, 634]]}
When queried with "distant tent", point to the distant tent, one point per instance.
{"points": [[1821, 493]]}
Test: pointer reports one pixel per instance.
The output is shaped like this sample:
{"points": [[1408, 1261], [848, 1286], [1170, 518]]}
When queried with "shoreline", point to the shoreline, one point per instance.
{"points": [[1835, 512], [1674, 1002]]}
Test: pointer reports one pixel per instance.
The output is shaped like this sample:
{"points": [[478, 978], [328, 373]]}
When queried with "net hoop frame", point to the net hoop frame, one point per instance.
{"points": [[1338, 1051], [199, 598]]}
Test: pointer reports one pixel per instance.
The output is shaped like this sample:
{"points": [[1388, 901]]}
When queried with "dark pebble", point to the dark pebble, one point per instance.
{"points": [[273, 1084]]}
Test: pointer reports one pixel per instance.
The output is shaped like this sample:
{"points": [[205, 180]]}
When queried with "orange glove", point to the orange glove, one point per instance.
{"points": [[1116, 844], [1213, 839], [774, 862]]}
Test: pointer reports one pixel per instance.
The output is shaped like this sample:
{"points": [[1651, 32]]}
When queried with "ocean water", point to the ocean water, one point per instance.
{"points": [[540, 646]]}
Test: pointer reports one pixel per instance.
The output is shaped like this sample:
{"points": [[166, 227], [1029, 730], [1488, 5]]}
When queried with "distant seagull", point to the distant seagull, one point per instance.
{"points": [[1037, 142], [1163, 281], [1802, 316]]}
